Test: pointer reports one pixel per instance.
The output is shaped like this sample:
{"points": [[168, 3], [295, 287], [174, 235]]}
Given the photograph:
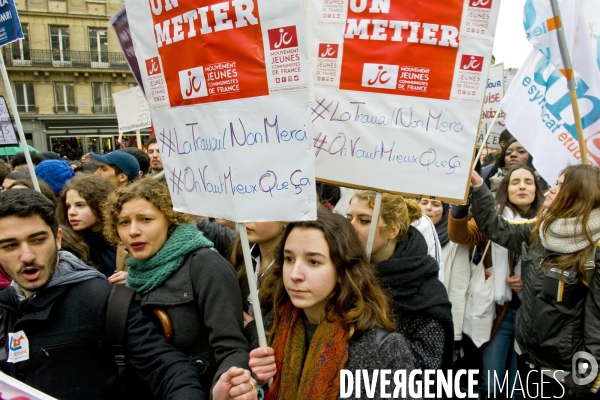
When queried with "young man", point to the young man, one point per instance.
{"points": [[53, 329], [156, 166], [118, 167]]}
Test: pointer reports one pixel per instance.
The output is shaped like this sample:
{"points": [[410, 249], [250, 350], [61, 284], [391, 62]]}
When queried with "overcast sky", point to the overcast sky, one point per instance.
{"points": [[511, 45]]}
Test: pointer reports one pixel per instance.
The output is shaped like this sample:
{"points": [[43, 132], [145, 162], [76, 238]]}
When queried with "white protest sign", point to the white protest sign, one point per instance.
{"points": [[493, 140], [132, 109], [227, 86], [494, 92], [398, 91], [7, 130], [11, 388]]}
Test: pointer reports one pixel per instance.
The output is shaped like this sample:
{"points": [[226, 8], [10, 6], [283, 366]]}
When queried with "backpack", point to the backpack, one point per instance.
{"points": [[116, 326]]}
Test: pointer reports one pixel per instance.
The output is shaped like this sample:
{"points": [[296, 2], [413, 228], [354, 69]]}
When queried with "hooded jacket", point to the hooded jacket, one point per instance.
{"points": [[420, 301], [69, 356]]}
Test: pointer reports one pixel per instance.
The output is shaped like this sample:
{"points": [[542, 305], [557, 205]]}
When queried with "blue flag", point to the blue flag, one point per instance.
{"points": [[10, 26]]}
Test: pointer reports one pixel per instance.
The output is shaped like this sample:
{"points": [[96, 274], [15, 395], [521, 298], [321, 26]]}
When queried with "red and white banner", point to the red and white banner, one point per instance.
{"points": [[227, 86], [398, 91]]}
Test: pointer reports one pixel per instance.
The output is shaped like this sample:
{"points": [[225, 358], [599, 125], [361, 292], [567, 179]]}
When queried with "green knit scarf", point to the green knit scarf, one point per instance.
{"points": [[146, 275]]}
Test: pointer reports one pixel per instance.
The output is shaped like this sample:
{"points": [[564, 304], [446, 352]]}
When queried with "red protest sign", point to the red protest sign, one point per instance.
{"points": [[209, 53], [411, 50]]}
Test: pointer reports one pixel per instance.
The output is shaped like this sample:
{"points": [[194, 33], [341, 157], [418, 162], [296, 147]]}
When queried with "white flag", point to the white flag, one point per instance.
{"points": [[540, 26], [538, 108]]}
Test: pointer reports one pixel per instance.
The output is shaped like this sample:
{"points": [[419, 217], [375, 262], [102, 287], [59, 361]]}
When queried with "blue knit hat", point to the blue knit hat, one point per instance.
{"points": [[55, 173]]}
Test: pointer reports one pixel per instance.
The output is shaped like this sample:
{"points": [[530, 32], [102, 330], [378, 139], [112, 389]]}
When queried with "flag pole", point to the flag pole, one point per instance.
{"points": [[572, 83]]}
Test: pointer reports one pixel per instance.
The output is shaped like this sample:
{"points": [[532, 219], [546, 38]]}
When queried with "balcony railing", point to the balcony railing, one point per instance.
{"points": [[65, 110], [27, 109], [103, 110], [65, 59]]}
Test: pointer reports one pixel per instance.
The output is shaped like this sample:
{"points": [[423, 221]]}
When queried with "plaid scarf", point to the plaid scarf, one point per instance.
{"points": [[317, 376]]}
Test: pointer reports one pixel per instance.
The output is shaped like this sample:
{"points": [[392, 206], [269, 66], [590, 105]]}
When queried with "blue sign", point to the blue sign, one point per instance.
{"points": [[10, 26]]}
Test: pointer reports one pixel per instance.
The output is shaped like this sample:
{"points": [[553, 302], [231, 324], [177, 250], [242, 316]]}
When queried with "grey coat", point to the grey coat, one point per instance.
{"points": [[204, 302]]}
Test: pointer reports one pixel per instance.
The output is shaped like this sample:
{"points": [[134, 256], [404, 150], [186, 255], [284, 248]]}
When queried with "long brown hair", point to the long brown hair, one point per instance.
{"points": [[357, 297], [502, 200], [92, 188], [578, 196]]}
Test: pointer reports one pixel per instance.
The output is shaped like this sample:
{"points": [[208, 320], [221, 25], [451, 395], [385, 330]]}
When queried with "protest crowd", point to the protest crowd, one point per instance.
{"points": [[308, 219], [102, 236]]}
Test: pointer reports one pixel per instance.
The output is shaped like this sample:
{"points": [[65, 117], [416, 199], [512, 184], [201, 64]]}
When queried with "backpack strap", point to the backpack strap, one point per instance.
{"points": [[116, 322], [589, 268]]}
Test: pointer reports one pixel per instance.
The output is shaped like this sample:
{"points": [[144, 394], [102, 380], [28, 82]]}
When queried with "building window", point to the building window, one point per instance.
{"points": [[20, 49], [64, 98], [98, 47], [25, 98], [60, 45], [131, 85], [102, 98]]}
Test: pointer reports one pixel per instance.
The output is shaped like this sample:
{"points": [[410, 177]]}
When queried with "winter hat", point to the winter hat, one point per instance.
{"points": [[55, 173]]}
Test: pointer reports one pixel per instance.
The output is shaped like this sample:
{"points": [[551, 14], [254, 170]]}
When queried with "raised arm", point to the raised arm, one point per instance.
{"points": [[493, 226]]}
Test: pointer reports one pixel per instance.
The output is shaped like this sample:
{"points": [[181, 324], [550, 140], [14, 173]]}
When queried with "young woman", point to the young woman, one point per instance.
{"points": [[455, 261], [511, 156], [264, 237], [518, 198], [409, 274], [81, 208], [184, 282], [328, 314], [561, 282]]}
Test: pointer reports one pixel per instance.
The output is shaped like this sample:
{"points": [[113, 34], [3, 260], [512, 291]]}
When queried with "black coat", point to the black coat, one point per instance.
{"points": [[420, 301], [69, 355], [550, 330]]}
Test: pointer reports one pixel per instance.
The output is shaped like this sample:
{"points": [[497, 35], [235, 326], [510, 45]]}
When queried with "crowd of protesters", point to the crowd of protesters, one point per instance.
{"points": [[103, 231]]}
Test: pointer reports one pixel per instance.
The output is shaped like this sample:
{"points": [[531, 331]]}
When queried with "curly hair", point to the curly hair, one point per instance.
{"points": [[395, 210], [92, 188], [148, 189], [357, 297]]}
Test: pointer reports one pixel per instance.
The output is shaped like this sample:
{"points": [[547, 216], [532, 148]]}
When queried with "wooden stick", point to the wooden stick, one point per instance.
{"points": [[374, 222]]}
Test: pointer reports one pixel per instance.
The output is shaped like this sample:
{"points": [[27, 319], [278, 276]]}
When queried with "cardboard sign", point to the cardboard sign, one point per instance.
{"points": [[12, 388], [494, 92], [227, 86], [121, 24], [10, 26], [132, 110], [7, 130], [398, 91]]}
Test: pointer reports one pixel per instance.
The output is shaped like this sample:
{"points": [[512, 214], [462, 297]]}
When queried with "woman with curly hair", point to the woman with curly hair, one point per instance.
{"points": [[329, 314], [410, 275], [180, 278], [81, 208]]}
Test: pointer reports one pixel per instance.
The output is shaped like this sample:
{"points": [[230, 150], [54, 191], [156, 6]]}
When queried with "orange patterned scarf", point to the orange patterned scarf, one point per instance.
{"points": [[317, 376]]}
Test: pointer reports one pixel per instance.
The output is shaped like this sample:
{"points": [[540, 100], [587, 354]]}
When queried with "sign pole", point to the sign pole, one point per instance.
{"points": [[484, 142], [13, 106], [119, 140], [138, 139], [374, 222], [572, 83]]}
